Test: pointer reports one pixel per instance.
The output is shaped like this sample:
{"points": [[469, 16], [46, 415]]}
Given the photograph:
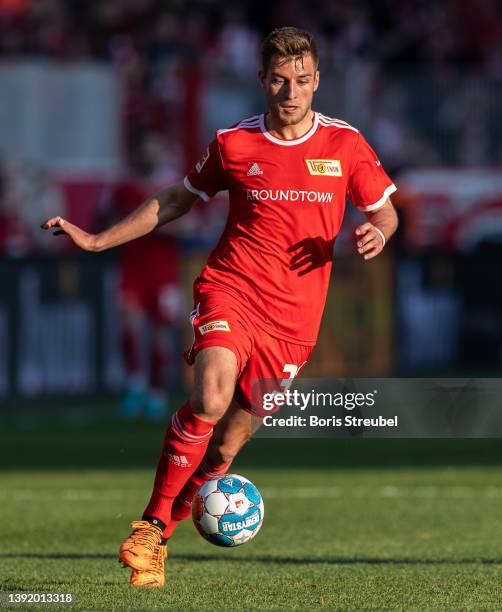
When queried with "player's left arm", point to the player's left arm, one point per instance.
{"points": [[373, 235]]}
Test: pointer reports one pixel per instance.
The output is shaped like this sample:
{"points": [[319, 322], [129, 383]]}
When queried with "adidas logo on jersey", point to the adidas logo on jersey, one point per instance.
{"points": [[179, 460], [254, 170]]}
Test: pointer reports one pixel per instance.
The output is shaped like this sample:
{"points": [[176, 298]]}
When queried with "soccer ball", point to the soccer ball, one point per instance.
{"points": [[228, 511]]}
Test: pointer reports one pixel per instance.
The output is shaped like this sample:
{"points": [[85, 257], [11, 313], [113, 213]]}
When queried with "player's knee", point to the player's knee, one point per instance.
{"points": [[210, 403], [212, 396]]}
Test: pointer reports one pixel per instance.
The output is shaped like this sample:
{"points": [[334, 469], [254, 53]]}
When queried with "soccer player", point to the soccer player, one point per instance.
{"points": [[259, 300]]}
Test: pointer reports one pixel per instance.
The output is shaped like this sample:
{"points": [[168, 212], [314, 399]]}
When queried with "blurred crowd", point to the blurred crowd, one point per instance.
{"points": [[431, 71], [434, 32], [27, 195]]}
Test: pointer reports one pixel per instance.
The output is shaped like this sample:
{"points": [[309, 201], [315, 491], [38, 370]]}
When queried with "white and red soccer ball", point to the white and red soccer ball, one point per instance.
{"points": [[228, 511]]}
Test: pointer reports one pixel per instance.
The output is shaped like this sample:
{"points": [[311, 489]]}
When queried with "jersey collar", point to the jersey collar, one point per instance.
{"points": [[289, 143]]}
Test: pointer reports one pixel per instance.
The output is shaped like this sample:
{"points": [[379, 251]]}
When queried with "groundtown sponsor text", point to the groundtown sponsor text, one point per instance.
{"points": [[289, 195]]}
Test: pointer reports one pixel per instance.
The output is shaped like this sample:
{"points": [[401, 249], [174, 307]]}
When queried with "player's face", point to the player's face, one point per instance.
{"points": [[289, 85]]}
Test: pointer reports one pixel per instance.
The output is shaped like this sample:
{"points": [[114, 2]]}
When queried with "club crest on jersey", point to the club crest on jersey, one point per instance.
{"points": [[324, 167], [214, 326], [200, 164]]}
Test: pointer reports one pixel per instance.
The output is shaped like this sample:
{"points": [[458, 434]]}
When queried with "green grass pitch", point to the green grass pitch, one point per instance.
{"points": [[381, 535]]}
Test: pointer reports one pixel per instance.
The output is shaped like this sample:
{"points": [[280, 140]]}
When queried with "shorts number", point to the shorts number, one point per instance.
{"points": [[291, 370]]}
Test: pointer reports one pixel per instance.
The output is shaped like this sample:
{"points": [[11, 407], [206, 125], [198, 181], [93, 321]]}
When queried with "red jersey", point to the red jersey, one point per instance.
{"points": [[287, 200]]}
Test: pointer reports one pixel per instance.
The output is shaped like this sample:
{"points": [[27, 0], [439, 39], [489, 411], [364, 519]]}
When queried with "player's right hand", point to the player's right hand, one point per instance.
{"points": [[82, 239]]}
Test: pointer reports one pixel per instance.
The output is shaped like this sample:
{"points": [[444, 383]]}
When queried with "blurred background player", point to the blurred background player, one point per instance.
{"points": [[151, 299]]}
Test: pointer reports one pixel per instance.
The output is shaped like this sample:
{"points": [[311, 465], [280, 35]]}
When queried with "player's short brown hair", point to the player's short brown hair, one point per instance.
{"points": [[288, 42]]}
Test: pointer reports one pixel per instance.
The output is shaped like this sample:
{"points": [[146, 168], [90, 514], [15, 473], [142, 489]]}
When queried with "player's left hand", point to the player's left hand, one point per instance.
{"points": [[62, 227], [370, 241]]}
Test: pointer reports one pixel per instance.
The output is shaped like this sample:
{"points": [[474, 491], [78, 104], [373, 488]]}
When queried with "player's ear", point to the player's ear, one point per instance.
{"points": [[317, 77], [261, 77]]}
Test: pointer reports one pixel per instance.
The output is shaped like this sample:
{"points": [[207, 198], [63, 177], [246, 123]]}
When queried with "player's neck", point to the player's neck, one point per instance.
{"points": [[289, 132]]}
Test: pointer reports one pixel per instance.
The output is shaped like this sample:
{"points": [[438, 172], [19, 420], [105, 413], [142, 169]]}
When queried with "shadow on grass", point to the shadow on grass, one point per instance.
{"points": [[272, 559]]}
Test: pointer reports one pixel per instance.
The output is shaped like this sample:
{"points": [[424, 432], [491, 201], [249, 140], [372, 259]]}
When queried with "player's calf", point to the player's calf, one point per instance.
{"points": [[185, 444], [229, 436]]}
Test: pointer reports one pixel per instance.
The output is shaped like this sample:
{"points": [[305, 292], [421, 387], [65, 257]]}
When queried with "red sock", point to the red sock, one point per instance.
{"points": [[182, 506], [185, 443]]}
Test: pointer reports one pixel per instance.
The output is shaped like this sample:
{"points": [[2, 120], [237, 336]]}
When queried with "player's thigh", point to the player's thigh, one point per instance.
{"points": [[216, 371], [221, 348]]}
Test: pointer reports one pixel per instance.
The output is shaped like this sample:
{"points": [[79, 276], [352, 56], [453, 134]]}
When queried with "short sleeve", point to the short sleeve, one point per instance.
{"points": [[207, 177], [369, 185]]}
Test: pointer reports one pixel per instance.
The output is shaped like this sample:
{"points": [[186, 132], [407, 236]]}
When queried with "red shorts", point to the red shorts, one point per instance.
{"points": [[149, 281], [219, 319]]}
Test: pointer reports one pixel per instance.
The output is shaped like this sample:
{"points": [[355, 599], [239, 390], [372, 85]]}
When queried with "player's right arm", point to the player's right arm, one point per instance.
{"points": [[163, 207], [369, 189]]}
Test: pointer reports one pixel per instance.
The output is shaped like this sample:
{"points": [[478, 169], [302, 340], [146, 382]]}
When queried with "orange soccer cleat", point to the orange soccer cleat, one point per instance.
{"points": [[154, 576], [137, 551]]}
